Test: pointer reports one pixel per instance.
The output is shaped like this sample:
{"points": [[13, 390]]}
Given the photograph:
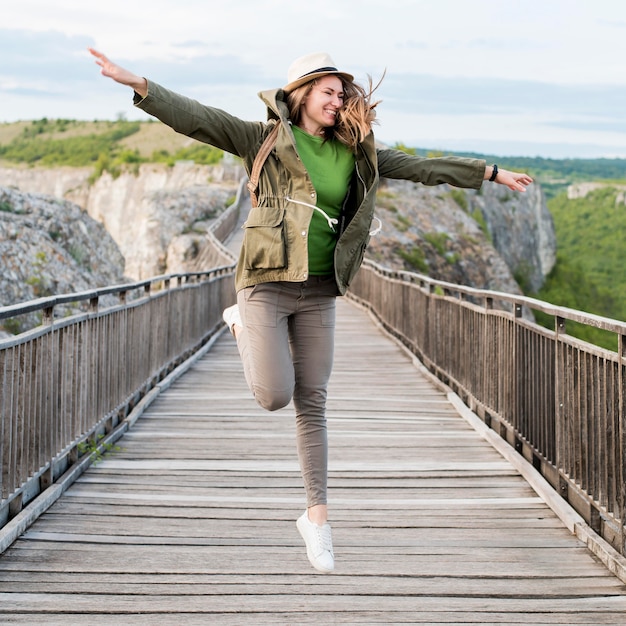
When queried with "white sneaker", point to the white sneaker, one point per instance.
{"points": [[319, 543], [231, 317]]}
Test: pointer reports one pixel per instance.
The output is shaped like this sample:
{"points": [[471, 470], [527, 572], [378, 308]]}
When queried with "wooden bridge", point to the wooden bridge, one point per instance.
{"points": [[192, 521], [456, 495]]}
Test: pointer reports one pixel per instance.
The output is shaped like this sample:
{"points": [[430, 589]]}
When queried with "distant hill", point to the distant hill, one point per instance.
{"points": [[146, 137], [109, 144], [555, 175], [103, 145]]}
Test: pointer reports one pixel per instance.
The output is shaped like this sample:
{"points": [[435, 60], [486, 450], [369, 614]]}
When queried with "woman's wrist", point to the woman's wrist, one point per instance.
{"points": [[140, 85], [491, 173]]}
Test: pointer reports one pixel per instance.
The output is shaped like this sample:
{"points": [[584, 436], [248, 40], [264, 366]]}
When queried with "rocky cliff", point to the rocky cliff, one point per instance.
{"points": [[582, 190], [520, 228], [50, 246], [488, 239], [157, 216]]}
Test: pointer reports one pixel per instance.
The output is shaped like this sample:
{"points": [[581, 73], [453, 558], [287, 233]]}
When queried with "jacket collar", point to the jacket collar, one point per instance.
{"points": [[276, 102]]}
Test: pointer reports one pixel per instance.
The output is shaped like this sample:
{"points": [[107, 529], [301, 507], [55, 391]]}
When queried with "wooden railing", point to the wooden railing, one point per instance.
{"points": [[73, 380], [558, 400]]}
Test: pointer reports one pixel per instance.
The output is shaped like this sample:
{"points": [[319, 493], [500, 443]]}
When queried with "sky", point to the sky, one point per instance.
{"points": [[536, 78]]}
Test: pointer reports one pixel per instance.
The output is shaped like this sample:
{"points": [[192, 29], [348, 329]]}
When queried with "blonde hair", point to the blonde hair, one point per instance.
{"points": [[354, 119]]}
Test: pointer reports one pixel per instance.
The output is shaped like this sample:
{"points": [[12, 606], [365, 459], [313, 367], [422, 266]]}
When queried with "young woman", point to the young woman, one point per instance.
{"points": [[305, 240]]}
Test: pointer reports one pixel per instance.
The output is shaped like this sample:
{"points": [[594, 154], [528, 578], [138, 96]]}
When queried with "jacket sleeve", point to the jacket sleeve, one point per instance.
{"points": [[203, 123], [457, 171]]}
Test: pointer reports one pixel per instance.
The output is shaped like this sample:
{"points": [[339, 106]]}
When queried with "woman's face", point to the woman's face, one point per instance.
{"points": [[320, 107]]}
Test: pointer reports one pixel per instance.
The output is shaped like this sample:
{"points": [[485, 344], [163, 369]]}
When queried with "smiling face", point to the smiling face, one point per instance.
{"points": [[319, 109]]}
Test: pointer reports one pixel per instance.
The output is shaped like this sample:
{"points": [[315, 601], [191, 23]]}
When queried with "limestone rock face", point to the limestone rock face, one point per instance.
{"points": [[153, 221], [50, 246], [521, 230], [144, 210], [481, 239], [582, 190]]}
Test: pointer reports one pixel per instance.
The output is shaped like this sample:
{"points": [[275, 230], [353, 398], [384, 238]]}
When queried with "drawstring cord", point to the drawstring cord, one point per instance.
{"points": [[332, 222], [375, 232]]}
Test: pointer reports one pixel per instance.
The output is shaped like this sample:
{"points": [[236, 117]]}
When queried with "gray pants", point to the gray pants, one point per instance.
{"points": [[287, 347]]}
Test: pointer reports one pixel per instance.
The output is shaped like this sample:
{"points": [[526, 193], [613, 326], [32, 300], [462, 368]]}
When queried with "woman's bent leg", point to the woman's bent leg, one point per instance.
{"points": [[264, 346]]}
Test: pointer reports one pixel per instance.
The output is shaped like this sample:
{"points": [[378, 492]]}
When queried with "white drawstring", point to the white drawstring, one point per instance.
{"points": [[332, 222], [375, 232]]}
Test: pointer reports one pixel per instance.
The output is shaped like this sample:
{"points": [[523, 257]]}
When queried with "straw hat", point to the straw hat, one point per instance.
{"points": [[312, 66]]}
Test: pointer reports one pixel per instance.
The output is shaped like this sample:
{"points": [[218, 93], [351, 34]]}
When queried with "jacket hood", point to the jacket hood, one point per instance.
{"points": [[276, 102]]}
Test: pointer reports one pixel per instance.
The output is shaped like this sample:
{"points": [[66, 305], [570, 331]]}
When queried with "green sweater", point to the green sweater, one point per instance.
{"points": [[330, 165]]}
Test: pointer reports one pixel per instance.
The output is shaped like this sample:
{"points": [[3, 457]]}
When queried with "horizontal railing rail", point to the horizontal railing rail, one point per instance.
{"points": [[558, 400]]}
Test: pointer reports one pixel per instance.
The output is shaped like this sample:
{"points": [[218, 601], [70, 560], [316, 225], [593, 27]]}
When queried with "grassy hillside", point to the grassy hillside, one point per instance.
{"points": [[589, 275], [590, 236], [104, 145], [146, 137], [591, 231]]}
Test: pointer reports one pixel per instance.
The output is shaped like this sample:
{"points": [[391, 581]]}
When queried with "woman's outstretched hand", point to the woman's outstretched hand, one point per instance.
{"points": [[515, 181], [119, 74]]}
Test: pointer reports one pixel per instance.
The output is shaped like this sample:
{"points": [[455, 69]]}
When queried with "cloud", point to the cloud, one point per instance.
{"points": [[207, 69], [603, 126], [51, 74], [455, 73], [49, 57], [576, 106], [40, 74]]}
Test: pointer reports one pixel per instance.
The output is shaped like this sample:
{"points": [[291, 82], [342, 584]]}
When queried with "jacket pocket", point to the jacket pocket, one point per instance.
{"points": [[264, 239]]}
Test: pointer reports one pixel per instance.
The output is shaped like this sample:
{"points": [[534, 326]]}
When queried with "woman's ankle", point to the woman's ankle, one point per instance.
{"points": [[318, 514]]}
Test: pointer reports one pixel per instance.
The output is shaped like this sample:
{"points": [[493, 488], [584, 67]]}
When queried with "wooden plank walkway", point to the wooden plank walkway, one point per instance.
{"points": [[193, 521]]}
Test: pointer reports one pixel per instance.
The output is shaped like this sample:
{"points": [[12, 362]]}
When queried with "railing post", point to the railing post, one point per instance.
{"points": [[47, 316], [622, 442], [559, 373]]}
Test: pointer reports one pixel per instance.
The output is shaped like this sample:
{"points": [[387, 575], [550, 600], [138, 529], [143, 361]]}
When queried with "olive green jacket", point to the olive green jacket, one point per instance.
{"points": [[275, 239]]}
